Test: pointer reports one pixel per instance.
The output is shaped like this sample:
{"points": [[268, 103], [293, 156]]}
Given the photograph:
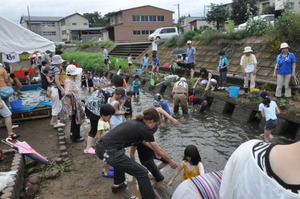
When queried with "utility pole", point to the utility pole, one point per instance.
{"points": [[179, 23], [29, 21]]}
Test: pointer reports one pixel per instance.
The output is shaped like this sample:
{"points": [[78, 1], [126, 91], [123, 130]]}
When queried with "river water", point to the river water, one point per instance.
{"points": [[215, 135]]}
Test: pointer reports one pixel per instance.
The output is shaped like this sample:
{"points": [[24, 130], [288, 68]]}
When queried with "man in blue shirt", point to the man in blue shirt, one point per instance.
{"points": [[163, 103], [191, 57]]}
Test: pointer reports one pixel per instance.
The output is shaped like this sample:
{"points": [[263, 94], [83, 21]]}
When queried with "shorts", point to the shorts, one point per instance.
{"points": [[190, 66], [136, 93], [106, 61], [271, 124], [128, 115], [129, 64], [154, 52], [5, 112], [90, 83]]}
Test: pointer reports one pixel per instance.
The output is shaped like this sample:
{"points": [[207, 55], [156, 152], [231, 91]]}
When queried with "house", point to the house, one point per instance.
{"points": [[294, 4], [199, 23], [135, 24], [71, 28], [192, 23]]}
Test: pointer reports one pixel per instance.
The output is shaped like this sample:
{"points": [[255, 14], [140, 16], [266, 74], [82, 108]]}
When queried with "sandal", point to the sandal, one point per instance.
{"points": [[110, 174], [13, 135], [118, 188]]}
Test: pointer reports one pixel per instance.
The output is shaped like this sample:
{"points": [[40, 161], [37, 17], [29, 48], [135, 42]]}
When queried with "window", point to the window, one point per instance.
{"points": [[160, 18], [119, 19], [267, 4], [49, 33], [170, 30], [144, 18], [112, 20], [136, 32], [64, 32], [136, 18], [85, 24], [48, 24], [62, 23], [74, 24], [291, 5], [152, 18]]}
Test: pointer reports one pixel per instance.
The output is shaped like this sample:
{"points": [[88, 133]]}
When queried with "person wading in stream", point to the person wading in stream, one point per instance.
{"points": [[180, 94], [111, 148]]}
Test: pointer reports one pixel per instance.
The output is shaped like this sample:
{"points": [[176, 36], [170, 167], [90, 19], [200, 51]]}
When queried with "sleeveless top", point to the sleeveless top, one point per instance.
{"points": [[115, 119], [189, 173]]}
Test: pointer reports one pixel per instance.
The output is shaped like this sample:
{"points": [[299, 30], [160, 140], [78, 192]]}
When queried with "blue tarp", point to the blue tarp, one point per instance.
{"points": [[26, 108]]}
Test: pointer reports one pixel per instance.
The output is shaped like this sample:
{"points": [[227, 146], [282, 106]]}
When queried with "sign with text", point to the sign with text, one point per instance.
{"points": [[11, 58]]}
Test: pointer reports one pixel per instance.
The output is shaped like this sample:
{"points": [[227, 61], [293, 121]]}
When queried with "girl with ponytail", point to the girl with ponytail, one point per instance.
{"points": [[269, 110]]}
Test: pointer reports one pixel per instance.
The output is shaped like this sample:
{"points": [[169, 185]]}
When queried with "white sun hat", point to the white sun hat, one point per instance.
{"points": [[56, 59], [73, 70], [248, 49], [284, 45]]}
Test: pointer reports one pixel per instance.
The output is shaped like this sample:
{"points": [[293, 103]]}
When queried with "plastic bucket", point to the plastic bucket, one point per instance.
{"points": [[16, 104], [234, 91], [139, 71]]}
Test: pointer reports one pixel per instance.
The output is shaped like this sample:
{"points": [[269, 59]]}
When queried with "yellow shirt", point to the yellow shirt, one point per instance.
{"points": [[104, 127], [63, 76], [189, 170]]}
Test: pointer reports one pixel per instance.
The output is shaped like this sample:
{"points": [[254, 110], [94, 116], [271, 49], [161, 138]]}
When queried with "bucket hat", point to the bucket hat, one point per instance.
{"points": [[284, 45], [56, 59], [73, 70], [248, 49]]}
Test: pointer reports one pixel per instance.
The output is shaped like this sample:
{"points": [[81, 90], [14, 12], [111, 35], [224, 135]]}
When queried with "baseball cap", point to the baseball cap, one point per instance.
{"points": [[189, 42]]}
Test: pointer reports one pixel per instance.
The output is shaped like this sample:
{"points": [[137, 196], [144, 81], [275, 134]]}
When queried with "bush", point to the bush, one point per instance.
{"points": [[189, 35], [94, 42], [257, 27], [286, 29], [94, 61]]}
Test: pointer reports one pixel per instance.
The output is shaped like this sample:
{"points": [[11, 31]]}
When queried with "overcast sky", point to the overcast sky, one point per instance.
{"points": [[14, 9]]}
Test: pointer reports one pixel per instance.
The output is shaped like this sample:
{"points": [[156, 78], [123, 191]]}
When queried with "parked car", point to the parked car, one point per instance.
{"points": [[163, 33], [269, 18]]}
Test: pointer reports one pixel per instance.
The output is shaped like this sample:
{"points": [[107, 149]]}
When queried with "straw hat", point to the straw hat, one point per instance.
{"points": [[248, 49], [56, 59]]}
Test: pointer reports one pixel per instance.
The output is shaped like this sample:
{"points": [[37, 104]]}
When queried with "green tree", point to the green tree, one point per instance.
{"points": [[217, 15], [268, 10], [243, 10], [96, 19]]}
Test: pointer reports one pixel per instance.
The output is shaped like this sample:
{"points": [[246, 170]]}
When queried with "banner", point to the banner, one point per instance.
{"points": [[10, 58]]}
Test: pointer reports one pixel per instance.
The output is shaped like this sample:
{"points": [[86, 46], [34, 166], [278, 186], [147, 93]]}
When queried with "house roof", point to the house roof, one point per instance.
{"points": [[93, 28], [41, 18], [47, 18], [200, 19], [115, 13]]}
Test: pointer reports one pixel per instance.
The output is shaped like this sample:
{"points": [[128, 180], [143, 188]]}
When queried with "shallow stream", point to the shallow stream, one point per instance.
{"points": [[215, 135]]}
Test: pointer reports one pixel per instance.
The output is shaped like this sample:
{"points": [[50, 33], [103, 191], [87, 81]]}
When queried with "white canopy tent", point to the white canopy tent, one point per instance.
{"points": [[16, 39]]}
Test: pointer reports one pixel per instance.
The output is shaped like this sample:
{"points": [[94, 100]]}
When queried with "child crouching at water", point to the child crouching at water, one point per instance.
{"points": [[191, 164], [106, 112], [268, 109]]}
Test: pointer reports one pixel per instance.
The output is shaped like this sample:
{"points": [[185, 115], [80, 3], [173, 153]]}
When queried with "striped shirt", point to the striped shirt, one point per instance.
{"points": [[261, 152]]}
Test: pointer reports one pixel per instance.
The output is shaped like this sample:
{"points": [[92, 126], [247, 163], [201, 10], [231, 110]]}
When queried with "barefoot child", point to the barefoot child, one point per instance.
{"points": [[135, 84], [268, 109], [191, 164], [27, 78], [106, 112]]}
